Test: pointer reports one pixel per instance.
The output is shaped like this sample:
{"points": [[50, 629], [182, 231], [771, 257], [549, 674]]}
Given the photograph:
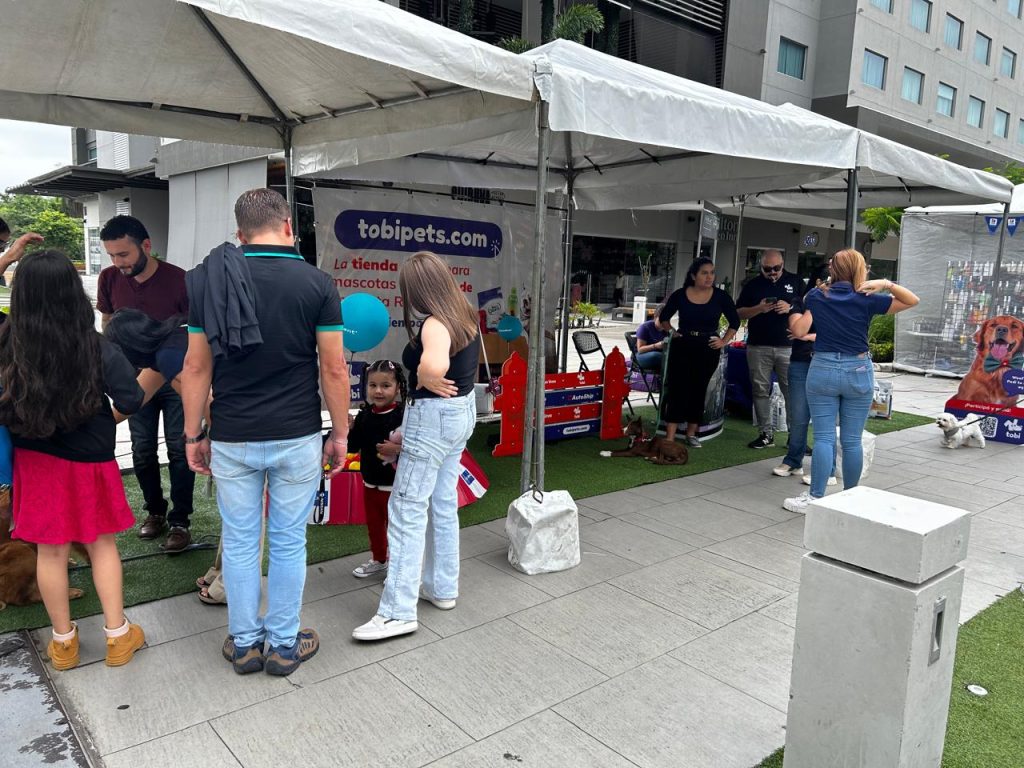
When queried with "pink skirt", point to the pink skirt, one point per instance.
{"points": [[56, 501]]}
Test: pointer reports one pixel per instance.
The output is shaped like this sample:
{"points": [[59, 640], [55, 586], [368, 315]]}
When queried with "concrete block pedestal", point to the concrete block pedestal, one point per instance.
{"points": [[876, 631]]}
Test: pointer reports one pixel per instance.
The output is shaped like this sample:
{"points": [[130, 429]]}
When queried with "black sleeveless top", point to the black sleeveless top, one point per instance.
{"points": [[463, 367]]}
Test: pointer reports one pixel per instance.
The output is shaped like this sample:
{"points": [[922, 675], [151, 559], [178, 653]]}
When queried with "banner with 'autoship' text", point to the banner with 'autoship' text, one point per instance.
{"points": [[364, 238]]}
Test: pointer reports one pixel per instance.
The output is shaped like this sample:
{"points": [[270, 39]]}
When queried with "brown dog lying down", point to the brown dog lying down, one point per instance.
{"points": [[18, 563], [654, 449]]}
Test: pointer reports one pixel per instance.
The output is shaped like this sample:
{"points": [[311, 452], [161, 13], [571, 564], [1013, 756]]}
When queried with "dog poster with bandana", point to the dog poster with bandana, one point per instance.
{"points": [[992, 389]]}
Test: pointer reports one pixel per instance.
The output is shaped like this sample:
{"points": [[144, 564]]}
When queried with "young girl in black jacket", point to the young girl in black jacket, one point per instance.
{"points": [[369, 433]]}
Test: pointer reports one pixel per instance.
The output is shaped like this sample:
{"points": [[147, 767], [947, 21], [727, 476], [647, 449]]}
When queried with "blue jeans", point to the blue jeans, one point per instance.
{"points": [[799, 416], [290, 471], [838, 385], [423, 512], [650, 361]]}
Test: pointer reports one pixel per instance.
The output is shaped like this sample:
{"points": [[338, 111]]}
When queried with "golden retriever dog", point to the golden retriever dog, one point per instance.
{"points": [[18, 563], [1000, 344]]}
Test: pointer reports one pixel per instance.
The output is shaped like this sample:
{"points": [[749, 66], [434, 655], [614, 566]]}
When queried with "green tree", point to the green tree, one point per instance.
{"points": [[574, 23], [1010, 170], [45, 215], [882, 222]]}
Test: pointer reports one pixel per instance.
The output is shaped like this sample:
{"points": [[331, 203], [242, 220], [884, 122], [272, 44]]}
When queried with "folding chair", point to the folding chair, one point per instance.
{"points": [[587, 343], [635, 367]]}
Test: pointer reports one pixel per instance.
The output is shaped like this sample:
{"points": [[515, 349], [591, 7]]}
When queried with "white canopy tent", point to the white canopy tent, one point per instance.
{"points": [[261, 73]]}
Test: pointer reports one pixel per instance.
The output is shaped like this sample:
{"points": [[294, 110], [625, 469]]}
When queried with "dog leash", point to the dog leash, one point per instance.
{"points": [[985, 416]]}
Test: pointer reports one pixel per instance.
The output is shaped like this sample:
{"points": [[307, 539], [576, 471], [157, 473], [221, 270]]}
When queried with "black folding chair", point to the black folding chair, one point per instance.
{"points": [[635, 367], [587, 343]]}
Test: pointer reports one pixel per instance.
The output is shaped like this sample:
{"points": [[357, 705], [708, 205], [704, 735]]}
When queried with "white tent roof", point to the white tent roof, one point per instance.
{"points": [[640, 137], [238, 72], [1016, 206]]}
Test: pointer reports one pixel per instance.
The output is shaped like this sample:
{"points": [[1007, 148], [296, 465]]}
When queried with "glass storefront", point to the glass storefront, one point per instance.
{"points": [[597, 261]]}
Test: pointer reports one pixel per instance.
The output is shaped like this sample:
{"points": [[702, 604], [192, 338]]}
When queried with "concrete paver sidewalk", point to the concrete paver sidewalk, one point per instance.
{"points": [[670, 645]]}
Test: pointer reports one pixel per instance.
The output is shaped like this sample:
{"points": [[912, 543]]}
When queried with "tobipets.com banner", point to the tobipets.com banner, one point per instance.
{"points": [[364, 238]]}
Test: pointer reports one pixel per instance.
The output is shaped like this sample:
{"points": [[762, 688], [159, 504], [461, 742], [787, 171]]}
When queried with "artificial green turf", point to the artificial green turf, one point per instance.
{"points": [[983, 732], [574, 465]]}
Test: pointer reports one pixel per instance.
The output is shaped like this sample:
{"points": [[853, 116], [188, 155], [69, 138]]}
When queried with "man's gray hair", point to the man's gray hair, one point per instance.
{"points": [[771, 252], [260, 209]]}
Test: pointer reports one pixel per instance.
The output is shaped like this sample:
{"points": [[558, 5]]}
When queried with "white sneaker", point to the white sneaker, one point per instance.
{"points": [[444, 605], [380, 628], [806, 480], [369, 568], [798, 504], [784, 470]]}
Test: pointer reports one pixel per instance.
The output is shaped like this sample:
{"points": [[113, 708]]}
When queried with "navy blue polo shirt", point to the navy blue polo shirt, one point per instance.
{"points": [[842, 316], [273, 393]]}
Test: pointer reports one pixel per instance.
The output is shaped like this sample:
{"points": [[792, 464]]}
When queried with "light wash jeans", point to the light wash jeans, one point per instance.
{"points": [[762, 361], [423, 514], [838, 385], [290, 470]]}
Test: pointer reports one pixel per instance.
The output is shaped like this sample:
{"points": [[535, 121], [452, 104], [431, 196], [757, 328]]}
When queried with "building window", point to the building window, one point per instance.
{"points": [[1020, 131], [791, 58], [946, 102], [1001, 124], [1013, 6], [913, 85], [873, 73], [954, 32], [1008, 64], [982, 49], [885, 5], [921, 15], [90, 152], [975, 111]]}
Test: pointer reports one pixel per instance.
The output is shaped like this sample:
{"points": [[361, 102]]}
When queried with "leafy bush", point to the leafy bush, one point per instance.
{"points": [[881, 352], [882, 329]]}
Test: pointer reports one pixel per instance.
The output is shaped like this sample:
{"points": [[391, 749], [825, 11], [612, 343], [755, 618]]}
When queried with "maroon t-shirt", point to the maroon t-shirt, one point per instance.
{"points": [[161, 296]]}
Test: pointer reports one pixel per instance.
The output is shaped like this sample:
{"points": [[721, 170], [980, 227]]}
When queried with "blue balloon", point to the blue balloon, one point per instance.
{"points": [[366, 321], [510, 327]]}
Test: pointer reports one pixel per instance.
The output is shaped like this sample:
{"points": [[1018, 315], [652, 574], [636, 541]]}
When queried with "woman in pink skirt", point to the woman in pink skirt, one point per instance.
{"points": [[56, 374]]}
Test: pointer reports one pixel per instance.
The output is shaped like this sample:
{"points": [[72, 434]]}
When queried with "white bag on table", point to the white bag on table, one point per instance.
{"points": [[543, 532]]}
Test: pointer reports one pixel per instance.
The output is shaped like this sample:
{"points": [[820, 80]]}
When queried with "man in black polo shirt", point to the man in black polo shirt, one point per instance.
{"points": [[265, 421], [764, 303]]}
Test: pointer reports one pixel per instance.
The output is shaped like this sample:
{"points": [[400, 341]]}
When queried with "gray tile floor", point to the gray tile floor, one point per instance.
{"points": [[670, 645]]}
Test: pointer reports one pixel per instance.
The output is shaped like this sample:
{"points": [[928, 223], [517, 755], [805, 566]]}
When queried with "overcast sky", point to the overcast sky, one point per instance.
{"points": [[30, 149]]}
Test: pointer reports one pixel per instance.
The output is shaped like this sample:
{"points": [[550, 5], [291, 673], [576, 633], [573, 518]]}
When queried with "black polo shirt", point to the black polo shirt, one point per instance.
{"points": [[769, 329], [273, 393]]}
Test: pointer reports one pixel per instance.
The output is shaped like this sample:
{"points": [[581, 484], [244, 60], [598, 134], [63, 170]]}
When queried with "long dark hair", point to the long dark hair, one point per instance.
{"points": [[691, 273], [385, 366], [427, 287], [51, 367], [139, 336]]}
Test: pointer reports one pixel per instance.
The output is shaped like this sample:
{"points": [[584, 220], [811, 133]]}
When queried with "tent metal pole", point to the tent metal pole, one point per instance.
{"points": [[741, 257], [532, 470], [567, 234], [289, 179], [852, 191], [999, 260]]}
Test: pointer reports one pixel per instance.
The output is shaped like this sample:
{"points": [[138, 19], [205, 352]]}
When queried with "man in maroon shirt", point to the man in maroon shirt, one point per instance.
{"points": [[139, 281]]}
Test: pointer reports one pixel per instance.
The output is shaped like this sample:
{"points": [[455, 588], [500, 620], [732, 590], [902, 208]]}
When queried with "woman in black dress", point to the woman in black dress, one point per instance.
{"points": [[696, 347]]}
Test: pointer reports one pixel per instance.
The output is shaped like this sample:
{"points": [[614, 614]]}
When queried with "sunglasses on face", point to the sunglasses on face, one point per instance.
{"points": [[776, 268]]}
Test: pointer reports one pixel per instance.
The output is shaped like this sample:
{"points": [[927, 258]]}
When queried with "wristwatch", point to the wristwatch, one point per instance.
{"points": [[197, 439]]}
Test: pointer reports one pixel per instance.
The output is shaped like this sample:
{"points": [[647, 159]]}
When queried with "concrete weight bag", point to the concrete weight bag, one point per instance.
{"points": [[543, 532]]}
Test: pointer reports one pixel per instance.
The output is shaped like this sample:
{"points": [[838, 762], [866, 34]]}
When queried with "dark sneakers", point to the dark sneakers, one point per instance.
{"points": [[764, 440], [284, 661], [178, 539], [152, 526]]}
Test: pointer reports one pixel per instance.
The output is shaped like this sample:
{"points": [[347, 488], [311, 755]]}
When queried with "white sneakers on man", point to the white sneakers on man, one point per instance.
{"points": [[784, 470]]}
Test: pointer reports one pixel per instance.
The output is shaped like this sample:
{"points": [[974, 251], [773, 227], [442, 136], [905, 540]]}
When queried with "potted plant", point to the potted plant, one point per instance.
{"points": [[586, 313]]}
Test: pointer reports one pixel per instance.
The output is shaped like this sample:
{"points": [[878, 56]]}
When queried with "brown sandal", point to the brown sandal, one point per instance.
{"points": [[204, 597]]}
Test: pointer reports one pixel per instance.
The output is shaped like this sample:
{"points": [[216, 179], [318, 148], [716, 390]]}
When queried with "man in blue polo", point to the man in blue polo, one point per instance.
{"points": [[266, 423]]}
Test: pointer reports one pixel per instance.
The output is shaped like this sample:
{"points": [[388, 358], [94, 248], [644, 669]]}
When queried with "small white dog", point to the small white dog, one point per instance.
{"points": [[957, 432]]}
